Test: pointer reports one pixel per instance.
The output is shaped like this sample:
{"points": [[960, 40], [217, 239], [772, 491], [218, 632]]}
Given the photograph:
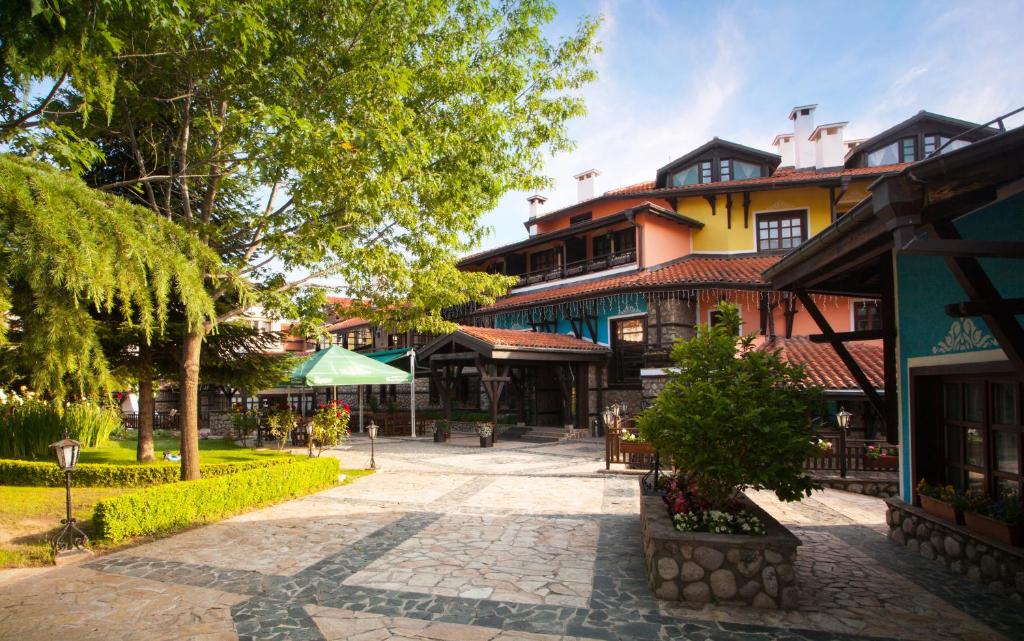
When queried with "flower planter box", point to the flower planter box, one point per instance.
{"points": [[941, 509], [888, 463], [635, 447], [487, 441], [1005, 533]]}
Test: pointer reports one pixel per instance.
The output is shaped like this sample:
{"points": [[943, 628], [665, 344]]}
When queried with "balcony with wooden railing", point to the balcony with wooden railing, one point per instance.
{"points": [[578, 268]]}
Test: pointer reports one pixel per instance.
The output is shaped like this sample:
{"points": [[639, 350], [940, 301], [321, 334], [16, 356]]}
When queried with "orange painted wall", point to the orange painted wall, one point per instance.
{"points": [[661, 240], [597, 208], [837, 310]]}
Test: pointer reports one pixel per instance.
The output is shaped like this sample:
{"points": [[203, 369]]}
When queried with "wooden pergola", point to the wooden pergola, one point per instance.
{"points": [[500, 356]]}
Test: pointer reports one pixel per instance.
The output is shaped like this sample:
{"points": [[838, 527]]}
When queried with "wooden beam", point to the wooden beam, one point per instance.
{"points": [[981, 307], [728, 211], [964, 248], [746, 209], [712, 201], [860, 335], [890, 366], [843, 353], [975, 282]]}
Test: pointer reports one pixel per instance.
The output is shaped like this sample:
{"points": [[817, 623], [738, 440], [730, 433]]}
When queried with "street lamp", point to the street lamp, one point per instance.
{"points": [[371, 429], [843, 420], [70, 536]]}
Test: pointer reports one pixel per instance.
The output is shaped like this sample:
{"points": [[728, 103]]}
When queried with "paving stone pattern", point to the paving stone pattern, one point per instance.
{"points": [[527, 543]]}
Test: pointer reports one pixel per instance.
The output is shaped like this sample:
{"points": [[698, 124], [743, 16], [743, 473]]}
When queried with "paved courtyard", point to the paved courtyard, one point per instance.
{"points": [[451, 542]]}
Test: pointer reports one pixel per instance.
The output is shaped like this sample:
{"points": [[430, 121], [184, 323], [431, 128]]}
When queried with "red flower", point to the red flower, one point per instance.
{"points": [[321, 405], [346, 407], [118, 395], [338, 414]]}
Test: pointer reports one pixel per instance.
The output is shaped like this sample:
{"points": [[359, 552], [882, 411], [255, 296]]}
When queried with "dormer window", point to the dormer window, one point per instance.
{"points": [[695, 174], [581, 218], [908, 149]]}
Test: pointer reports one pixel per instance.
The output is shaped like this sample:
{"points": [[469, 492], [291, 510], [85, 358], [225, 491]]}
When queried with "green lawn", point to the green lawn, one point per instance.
{"points": [[29, 515], [213, 450]]}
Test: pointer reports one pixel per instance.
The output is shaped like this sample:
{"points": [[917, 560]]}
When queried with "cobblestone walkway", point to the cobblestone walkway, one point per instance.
{"points": [[453, 543]]}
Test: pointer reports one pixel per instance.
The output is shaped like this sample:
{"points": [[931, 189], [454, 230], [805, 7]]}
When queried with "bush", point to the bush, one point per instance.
{"points": [[734, 417], [103, 475], [28, 424], [176, 505]]}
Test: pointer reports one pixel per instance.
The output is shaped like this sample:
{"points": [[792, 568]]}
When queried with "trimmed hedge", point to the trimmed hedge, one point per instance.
{"points": [[176, 505], [14, 472]]}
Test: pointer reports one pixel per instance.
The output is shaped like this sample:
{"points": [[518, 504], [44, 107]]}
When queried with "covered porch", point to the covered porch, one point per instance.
{"points": [[540, 377]]}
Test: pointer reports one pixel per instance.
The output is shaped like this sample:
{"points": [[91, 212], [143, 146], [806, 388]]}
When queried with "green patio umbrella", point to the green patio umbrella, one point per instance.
{"points": [[339, 366]]}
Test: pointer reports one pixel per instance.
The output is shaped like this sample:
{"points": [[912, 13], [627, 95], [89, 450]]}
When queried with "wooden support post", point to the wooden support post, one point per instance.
{"points": [[889, 366], [843, 353], [728, 211], [746, 209]]}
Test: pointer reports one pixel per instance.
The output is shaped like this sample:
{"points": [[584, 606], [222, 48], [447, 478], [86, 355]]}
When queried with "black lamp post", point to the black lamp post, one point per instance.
{"points": [[843, 420], [371, 429], [69, 537]]}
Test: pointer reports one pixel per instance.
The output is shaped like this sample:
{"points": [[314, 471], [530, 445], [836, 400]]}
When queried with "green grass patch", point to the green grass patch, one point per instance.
{"points": [[212, 450]]}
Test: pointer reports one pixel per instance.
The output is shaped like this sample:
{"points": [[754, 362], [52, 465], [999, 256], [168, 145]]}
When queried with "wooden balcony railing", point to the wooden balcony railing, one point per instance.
{"points": [[578, 268], [854, 455]]}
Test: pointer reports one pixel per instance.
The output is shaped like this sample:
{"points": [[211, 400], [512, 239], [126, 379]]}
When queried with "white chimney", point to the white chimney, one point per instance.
{"points": [[783, 145], [829, 150], [536, 201], [803, 127], [587, 182]]}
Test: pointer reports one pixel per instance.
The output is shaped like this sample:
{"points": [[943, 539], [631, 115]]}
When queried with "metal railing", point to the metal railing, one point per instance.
{"points": [[577, 268], [995, 121]]}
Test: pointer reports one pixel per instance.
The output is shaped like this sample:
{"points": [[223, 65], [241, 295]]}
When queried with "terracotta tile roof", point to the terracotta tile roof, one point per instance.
{"points": [[823, 366], [629, 189], [693, 270], [347, 323], [518, 339], [785, 177]]}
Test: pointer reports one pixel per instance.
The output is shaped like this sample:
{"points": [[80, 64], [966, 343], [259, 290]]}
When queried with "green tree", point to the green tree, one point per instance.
{"points": [[70, 256], [733, 416], [304, 139]]}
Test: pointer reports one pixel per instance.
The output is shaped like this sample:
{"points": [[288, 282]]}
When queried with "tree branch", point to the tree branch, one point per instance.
{"points": [[21, 120]]}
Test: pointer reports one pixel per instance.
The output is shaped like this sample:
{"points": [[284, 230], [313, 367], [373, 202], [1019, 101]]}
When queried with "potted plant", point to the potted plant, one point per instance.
{"points": [[486, 431], [631, 443], [1001, 520], [442, 430], [938, 500], [877, 457], [824, 447]]}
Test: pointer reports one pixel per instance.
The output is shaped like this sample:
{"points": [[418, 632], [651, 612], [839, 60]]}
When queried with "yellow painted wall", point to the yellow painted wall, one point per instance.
{"points": [[716, 237]]}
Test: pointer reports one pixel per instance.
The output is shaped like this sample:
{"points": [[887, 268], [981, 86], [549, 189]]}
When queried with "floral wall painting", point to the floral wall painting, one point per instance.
{"points": [[964, 336]]}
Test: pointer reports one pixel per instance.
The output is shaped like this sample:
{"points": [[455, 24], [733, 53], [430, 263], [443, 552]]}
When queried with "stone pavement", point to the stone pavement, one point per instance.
{"points": [[451, 542]]}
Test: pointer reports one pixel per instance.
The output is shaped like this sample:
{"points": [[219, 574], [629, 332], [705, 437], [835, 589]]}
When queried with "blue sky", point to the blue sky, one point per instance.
{"points": [[675, 74]]}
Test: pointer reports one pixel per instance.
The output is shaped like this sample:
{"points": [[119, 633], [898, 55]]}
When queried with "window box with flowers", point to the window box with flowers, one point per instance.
{"points": [[877, 457], [940, 501], [1001, 520], [630, 443]]}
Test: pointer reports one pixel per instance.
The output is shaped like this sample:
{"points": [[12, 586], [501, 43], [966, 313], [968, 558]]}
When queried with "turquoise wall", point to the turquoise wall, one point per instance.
{"points": [[605, 308], [925, 286]]}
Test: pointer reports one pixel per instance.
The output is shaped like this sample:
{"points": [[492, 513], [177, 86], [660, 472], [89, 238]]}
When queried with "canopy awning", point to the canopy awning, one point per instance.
{"points": [[339, 366], [388, 355]]}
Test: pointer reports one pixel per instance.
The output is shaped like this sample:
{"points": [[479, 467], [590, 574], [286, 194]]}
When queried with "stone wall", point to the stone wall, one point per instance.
{"points": [[879, 484], [652, 386], [993, 564], [698, 567]]}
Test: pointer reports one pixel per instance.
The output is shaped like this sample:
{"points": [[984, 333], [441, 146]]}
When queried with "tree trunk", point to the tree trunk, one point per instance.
{"points": [[144, 450], [189, 420]]}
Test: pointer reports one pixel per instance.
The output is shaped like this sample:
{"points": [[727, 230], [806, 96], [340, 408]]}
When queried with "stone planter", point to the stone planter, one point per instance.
{"points": [[941, 509], [487, 441], [884, 463], [994, 529], [700, 567]]}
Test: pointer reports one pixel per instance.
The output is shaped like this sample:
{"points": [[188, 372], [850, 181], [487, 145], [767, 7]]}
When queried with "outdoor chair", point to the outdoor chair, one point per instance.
{"points": [[300, 436]]}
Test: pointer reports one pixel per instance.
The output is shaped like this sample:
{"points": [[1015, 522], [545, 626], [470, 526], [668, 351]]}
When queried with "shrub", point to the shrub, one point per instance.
{"points": [[38, 473], [176, 505], [329, 427], [28, 424], [734, 417], [281, 423]]}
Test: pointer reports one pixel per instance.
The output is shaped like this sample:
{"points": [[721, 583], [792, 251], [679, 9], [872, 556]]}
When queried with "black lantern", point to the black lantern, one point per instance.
{"points": [[843, 420], [371, 429], [69, 537]]}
